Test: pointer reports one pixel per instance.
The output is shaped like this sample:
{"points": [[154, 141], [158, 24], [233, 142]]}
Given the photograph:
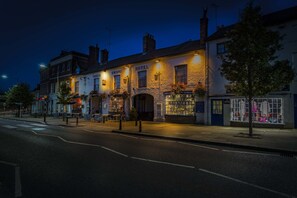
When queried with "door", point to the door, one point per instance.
{"points": [[144, 104], [217, 116], [295, 110]]}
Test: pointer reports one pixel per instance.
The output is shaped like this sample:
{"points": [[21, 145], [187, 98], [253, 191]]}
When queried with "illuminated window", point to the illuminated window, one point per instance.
{"points": [[264, 110], [117, 82], [181, 74], [142, 79], [180, 104]]}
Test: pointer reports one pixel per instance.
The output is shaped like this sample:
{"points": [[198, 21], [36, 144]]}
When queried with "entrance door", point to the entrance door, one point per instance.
{"points": [[144, 104], [217, 116], [295, 110]]}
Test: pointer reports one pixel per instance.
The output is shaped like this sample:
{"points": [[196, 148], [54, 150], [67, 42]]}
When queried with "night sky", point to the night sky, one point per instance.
{"points": [[32, 32]]}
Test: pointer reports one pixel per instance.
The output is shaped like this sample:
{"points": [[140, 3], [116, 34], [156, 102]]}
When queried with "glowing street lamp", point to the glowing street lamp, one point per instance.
{"points": [[4, 76]]}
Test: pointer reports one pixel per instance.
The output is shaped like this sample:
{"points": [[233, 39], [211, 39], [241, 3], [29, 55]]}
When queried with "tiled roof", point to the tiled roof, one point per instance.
{"points": [[142, 57], [271, 19], [66, 53]]}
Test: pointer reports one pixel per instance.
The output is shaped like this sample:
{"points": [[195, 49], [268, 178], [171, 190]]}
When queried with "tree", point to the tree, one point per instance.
{"points": [[250, 61], [19, 95], [64, 95]]}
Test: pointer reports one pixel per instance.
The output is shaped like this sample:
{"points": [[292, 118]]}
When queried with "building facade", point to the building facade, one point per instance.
{"points": [[277, 109]]}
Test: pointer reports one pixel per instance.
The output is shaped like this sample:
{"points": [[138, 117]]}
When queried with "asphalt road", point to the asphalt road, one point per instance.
{"points": [[77, 162]]}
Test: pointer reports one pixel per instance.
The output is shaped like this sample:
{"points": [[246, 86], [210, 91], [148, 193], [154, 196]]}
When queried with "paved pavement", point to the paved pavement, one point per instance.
{"points": [[266, 139]]}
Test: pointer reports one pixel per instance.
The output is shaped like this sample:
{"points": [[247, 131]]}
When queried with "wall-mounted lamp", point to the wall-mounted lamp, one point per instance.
{"points": [[157, 75], [157, 61], [196, 53], [126, 79]]}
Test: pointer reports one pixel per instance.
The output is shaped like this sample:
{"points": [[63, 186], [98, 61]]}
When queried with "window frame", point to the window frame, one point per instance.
{"points": [[142, 82]]}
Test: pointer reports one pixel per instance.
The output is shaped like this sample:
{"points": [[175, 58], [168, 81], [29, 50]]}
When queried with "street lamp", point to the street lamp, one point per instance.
{"points": [[4, 76]]}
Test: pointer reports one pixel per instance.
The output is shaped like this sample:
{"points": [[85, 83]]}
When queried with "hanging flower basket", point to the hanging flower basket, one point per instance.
{"points": [[177, 88]]}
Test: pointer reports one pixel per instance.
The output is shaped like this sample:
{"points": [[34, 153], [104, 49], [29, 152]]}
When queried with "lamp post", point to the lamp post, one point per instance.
{"points": [[4, 76]]}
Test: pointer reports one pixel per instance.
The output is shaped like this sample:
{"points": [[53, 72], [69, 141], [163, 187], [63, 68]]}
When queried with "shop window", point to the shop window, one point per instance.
{"points": [[180, 104], [116, 104], [142, 79], [117, 82], [181, 74], [264, 110]]}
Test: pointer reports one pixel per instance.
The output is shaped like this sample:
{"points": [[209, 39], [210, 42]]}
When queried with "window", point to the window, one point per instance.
{"points": [[117, 82], [264, 110], [181, 74], [180, 104], [68, 66], [141, 79], [217, 107], [221, 48], [53, 87], [76, 89], [96, 84]]}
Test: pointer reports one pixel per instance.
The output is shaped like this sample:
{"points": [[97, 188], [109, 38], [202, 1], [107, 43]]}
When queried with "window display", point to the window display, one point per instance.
{"points": [[116, 104], [180, 104], [264, 110]]}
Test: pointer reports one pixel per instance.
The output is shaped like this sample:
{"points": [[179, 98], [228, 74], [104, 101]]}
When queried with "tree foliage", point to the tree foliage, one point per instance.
{"points": [[64, 94], [250, 62], [19, 94]]}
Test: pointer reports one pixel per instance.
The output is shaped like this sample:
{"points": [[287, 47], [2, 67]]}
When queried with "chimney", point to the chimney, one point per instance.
{"points": [[104, 56], [93, 54], [149, 43], [203, 27]]}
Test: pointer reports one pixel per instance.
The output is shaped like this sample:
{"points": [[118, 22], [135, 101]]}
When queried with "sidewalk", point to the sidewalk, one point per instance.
{"points": [[265, 139]]}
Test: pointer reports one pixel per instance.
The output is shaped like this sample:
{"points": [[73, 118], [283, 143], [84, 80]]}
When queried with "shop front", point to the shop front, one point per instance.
{"points": [[266, 112], [180, 108]]}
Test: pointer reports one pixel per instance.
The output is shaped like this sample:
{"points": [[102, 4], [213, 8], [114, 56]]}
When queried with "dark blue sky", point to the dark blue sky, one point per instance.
{"points": [[33, 32]]}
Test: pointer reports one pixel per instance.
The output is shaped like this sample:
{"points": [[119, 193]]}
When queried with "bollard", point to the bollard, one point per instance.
{"points": [[44, 117], [76, 120], [103, 119], [140, 127], [120, 127], [67, 120]]}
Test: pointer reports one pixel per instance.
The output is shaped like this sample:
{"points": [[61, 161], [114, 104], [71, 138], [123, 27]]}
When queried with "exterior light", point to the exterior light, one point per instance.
{"points": [[42, 65], [157, 60], [4, 76]]}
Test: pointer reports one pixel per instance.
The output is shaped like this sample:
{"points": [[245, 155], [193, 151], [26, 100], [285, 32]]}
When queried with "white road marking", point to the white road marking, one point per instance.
{"points": [[252, 153], [116, 152], [39, 125], [196, 145], [160, 162], [9, 126], [246, 183], [38, 129], [24, 125], [81, 143]]}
